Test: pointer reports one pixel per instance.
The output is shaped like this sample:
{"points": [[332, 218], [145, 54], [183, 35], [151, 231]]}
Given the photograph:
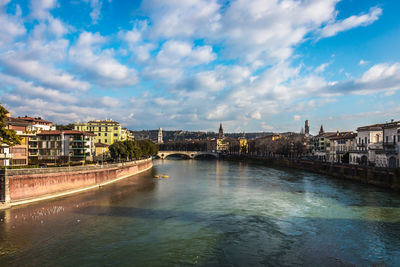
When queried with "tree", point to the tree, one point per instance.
{"points": [[133, 150], [7, 136], [61, 127]]}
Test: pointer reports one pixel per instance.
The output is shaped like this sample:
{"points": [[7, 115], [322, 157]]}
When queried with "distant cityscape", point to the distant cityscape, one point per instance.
{"points": [[44, 142]]}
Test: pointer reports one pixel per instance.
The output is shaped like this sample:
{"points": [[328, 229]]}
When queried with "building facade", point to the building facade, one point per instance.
{"points": [[389, 156], [368, 141], [340, 146], [16, 155], [320, 145], [222, 142], [106, 131], [65, 145]]}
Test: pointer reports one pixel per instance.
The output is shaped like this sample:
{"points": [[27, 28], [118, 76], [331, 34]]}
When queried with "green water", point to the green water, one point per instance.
{"points": [[209, 213]]}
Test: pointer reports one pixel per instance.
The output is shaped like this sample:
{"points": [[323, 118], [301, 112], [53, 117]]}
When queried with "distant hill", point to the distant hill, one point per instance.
{"points": [[180, 135]]}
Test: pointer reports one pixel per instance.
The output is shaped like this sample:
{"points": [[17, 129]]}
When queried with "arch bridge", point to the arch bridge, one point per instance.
{"points": [[190, 154]]}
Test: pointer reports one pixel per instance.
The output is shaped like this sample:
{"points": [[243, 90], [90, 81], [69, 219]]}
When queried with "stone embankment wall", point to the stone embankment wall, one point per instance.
{"points": [[20, 186], [389, 178]]}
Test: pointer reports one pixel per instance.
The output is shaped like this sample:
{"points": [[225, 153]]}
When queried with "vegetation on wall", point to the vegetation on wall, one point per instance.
{"points": [[133, 150]]}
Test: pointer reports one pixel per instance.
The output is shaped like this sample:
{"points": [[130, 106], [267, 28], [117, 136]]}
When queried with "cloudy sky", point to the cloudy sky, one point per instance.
{"points": [[260, 65]]}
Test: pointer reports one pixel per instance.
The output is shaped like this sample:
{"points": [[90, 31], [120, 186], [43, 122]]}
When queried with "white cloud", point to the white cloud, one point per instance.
{"points": [[100, 66], [110, 101], [380, 72], [296, 117], [11, 26], [40, 9], [24, 88], [34, 69], [363, 62], [181, 17], [351, 22], [322, 67], [178, 52], [96, 6]]}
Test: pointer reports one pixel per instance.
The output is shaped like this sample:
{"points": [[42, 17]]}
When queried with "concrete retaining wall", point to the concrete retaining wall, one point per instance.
{"points": [[20, 186], [382, 177]]}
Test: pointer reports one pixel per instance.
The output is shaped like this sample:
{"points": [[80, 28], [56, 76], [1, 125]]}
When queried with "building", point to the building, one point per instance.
{"points": [[320, 144], [340, 146], [38, 124], [368, 141], [67, 145], [243, 145], [222, 142], [101, 151], [389, 155], [160, 136], [307, 128], [106, 131], [16, 155]]}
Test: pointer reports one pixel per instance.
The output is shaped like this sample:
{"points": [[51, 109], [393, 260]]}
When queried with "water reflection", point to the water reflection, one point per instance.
{"points": [[209, 213]]}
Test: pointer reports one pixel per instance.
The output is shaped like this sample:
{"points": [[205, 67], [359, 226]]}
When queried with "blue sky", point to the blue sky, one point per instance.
{"points": [[191, 64]]}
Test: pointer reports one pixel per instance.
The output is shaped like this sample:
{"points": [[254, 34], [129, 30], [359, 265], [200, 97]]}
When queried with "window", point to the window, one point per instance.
{"points": [[99, 134], [105, 141], [115, 128], [115, 134], [106, 129], [105, 134], [387, 139], [394, 139]]}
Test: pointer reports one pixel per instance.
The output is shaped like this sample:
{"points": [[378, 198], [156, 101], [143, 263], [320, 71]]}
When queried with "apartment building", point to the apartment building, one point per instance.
{"points": [[66, 145], [105, 131], [340, 146]]}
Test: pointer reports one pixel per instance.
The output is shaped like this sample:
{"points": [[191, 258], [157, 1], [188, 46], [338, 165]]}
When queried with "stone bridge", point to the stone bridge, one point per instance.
{"points": [[190, 154]]}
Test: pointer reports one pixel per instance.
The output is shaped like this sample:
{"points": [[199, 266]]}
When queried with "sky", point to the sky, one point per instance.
{"points": [[260, 65]]}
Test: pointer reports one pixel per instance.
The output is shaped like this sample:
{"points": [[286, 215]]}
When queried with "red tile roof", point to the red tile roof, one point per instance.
{"points": [[33, 120]]}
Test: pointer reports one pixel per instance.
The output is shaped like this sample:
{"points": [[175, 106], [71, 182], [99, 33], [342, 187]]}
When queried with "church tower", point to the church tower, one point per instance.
{"points": [[321, 130], [160, 136], [307, 128], [220, 132]]}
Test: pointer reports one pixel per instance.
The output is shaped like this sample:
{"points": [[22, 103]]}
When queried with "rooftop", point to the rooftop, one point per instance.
{"points": [[35, 120], [65, 132]]}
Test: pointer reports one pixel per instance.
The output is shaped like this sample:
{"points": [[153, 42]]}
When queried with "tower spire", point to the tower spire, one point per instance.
{"points": [[220, 132], [321, 130]]}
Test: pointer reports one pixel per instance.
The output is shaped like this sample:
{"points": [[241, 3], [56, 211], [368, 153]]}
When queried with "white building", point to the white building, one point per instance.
{"points": [[389, 155], [368, 142]]}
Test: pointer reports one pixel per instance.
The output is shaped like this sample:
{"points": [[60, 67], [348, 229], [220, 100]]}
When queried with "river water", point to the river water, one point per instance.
{"points": [[209, 213]]}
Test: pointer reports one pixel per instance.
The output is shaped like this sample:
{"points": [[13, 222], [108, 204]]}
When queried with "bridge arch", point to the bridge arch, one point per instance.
{"points": [[177, 153], [189, 154]]}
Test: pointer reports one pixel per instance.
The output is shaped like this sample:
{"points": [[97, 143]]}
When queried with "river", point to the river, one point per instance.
{"points": [[209, 213]]}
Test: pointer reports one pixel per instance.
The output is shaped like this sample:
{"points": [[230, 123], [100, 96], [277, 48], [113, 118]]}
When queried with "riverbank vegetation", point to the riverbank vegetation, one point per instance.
{"points": [[132, 150]]}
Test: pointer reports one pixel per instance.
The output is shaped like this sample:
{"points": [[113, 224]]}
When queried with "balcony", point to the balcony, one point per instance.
{"points": [[78, 140], [6, 156]]}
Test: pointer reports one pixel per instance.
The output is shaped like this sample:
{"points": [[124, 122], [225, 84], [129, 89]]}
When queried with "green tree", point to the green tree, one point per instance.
{"points": [[7, 136]]}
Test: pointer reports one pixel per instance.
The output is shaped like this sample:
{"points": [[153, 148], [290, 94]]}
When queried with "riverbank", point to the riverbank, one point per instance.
{"points": [[22, 186], [382, 177]]}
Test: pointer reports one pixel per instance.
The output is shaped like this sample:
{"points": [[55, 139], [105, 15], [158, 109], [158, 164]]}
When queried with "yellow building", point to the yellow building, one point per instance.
{"points": [[106, 131], [244, 145], [101, 151]]}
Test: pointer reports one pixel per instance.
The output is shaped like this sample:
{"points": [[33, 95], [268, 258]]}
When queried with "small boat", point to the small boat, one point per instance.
{"points": [[165, 176], [156, 176]]}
